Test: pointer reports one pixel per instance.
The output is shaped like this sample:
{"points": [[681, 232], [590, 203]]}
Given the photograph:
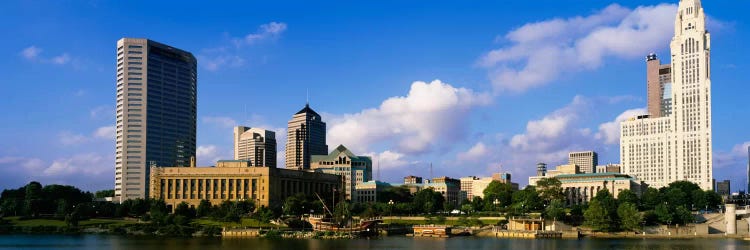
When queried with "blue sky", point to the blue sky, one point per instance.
{"points": [[472, 87]]}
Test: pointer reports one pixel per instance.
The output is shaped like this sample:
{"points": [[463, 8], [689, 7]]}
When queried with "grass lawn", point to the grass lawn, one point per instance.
{"points": [[245, 222], [59, 223]]}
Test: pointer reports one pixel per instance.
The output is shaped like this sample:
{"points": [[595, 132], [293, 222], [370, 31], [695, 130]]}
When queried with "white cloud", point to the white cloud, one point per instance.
{"points": [[214, 59], [609, 132], [220, 120], [475, 153], [61, 59], [69, 138], [540, 52], [208, 155], [88, 164], [106, 132], [101, 111], [266, 31], [737, 157], [431, 114], [31, 52]]}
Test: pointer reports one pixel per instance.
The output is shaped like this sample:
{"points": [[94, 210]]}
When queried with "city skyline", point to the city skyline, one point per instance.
{"points": [[400, 114]]}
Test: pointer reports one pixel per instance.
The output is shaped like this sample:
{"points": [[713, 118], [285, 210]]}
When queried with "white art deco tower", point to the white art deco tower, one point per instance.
{"points": [[678, 146]]}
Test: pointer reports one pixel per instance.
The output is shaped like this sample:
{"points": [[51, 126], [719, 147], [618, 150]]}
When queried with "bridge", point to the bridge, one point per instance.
{"points": [[735, 213]]}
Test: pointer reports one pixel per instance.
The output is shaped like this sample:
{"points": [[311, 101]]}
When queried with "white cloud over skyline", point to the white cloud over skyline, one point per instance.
{"points": [[540, 52]]}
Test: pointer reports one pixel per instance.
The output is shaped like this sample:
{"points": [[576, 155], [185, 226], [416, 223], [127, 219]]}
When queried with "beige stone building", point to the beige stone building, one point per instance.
{"points": [[236, 180], [586, 160], [450, 189], [579, 187], [659, 81], [258, 146], [352, 168], [306, 136]]}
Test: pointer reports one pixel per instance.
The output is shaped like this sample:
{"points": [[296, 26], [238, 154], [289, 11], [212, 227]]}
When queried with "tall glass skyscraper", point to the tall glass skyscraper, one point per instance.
{"points": [[306, 136], [156, 112]]}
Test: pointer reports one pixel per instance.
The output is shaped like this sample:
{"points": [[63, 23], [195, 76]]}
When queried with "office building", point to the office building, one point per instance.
{"points": [[368, 191], [353, 169], [237, 180], [659, 80], [258, 146], [412, 179], [450, 189], [306, 136], [724, 188], [467, 187], [661, 150], [155, 114], [609, 168], [541, 169], [586, 161]]}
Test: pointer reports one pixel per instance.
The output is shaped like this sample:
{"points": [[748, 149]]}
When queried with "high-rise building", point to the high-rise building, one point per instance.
{"points": [[586, 161], [661, 150], [255, 145], [156, 112], [306, 136], [658, 78], [352, 168]]}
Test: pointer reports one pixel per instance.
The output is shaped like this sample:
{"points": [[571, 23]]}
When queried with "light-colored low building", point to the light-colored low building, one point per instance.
{"points": [[450, 189], [579, 187], [368, 191], [467, 187], [609, 168], [478, 186], [354, 169], [236, 180]]}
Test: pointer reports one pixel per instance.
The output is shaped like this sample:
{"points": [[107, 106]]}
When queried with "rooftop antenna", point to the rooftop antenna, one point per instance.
{"points": [[377, 157], [430, 170], [307, 100]]}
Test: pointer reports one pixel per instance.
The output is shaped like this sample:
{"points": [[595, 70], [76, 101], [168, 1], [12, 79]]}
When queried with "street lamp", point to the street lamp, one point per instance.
{"points": [[496, 202]]}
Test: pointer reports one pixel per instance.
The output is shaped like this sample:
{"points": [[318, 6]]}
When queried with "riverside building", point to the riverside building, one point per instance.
{"points": [[353, 169], [586, 161], [661, 150], [155, 114], [236, 180]]}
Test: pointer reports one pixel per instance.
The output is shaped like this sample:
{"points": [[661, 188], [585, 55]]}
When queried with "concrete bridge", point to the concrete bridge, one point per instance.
{"points": [[735, 214]]}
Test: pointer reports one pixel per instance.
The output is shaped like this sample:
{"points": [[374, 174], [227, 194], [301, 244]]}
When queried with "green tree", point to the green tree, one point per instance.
{"points": [[183, 209], [529, 199], [550, 189], [104, 193], [428, 201], [663, 213], [627, 196], [630, 217], [597, 218], [502, 192], [477, 203], [555, 210], [683, 216], [204, 209], [650, 199], [33, 201]]}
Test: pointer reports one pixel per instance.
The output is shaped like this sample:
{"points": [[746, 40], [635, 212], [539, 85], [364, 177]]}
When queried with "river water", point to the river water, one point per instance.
{"points": [[463, 243]]}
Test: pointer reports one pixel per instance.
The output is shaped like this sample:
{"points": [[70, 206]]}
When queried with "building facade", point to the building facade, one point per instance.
{"points": [[586, 160], [609, 168], [659, 80], [580, 187], [478, 186], [352, 168], [258, 146], [412, 180], [236, 180], [156, 112], [368, 191], [679, 146], [450, 189], [724, 188], [306, 136], [467, 185]]}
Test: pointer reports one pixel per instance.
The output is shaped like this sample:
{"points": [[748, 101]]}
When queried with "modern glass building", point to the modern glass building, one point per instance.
{"points": [[156, 112]]}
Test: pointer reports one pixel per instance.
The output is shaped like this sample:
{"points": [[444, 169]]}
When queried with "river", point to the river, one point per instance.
{"points": [[463, 243]]}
